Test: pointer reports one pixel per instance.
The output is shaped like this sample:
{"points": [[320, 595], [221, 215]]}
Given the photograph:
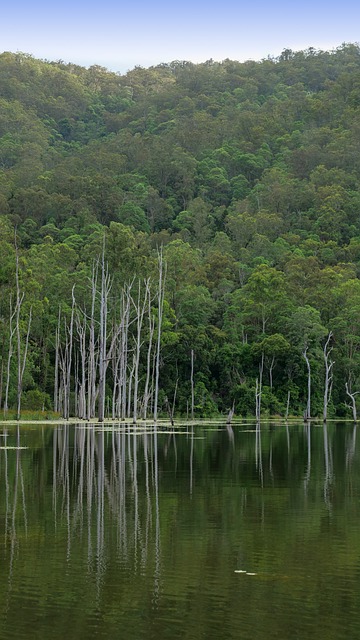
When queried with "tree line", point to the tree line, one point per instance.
{"points": [[243, 176]]}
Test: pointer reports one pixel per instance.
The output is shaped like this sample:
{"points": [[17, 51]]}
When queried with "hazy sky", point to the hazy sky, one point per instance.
{"points": [[120, 35]]}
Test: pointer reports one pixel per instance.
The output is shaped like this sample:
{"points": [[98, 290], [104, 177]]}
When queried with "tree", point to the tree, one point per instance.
{"points": [[306, 331]]}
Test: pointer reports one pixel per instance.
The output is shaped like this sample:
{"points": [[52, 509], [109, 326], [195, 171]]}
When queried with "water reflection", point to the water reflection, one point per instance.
{"points": [[125, 515], [117, 472], [14, 494]]}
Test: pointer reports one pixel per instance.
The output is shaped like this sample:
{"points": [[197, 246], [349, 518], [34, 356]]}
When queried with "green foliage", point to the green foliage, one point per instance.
{"points": [[248, 174]]}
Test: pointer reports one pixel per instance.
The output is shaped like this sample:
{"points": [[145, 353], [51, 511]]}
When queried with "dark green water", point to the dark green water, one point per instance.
{"points": [[207, 533]]}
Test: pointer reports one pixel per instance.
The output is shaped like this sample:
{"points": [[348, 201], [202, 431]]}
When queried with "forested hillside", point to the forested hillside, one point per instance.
{"points": [[191, 231]]}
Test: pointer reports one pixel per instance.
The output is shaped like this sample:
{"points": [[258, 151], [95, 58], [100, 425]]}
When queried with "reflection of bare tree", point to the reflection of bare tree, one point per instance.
{"points": [[328, 467], [191, 459], [157, 518], [230, 433], [351, 447], [96, 485], [307, 429], [271, 458], [14, 491], [288, 441], [258, 453]]}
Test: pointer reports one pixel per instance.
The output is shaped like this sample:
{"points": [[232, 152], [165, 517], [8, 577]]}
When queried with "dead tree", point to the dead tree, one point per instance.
{"points": [[56, 373], [258, 390], [230, 414], [353, 400], [151, 322], [65, 362], [92, 356], [307, 413], [328, 374], [140, 311], [161, 293], [287, 405], [21, 352], [124, 352], [10, 354], [81, 327], [192, 385], [103, 354]]}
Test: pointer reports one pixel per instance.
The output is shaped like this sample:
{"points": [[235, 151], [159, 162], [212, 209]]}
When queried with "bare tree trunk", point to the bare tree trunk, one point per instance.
{"points": [[56, 375], [161, 293], [92, 364], [124, 356], [353, 401], [104, 296], [328, 375], [271, 368], [148, 360], [76, 384], [1, 381], [231, 414], [65, 361], [192, 385], [10, 353], [258, 390], [22, 363], [287, 405], [69, 358], [307, 413], [140, 310], [130, 387], [21, 357], [81, 399], [116, 359]]}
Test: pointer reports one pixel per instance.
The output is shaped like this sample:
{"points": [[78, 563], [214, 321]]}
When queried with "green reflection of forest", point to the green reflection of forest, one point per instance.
{"points": [[146, 530]]}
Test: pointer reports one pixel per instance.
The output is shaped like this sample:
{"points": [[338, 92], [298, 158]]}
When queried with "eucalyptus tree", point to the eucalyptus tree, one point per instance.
{"points": [[305, 332], [346, 328]]}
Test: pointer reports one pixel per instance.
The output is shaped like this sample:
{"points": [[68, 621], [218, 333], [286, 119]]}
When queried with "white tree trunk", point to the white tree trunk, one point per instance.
{"points": [[10, 353], [307, 413], [328, 375], [162, 275], [353, 401], [192, 385]]}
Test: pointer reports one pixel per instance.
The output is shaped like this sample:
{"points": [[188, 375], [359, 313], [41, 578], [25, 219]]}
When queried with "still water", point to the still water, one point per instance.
{"points": [[203, 532]]}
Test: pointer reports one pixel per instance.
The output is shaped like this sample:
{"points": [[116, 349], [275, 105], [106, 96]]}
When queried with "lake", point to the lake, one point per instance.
{"points": [[198, 532]]}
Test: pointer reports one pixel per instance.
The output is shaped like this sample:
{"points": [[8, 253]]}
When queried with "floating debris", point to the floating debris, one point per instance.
{"points": [[16, 448], [240, 571]]}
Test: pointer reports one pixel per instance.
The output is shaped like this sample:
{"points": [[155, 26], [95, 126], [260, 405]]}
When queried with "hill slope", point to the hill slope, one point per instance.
{"points": [[246, 173]]}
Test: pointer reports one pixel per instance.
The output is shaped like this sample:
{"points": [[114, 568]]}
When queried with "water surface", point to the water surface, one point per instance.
{"points": [[200, 532]]}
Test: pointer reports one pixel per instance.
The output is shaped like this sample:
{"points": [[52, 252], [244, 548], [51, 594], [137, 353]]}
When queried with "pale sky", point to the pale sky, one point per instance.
{"points": [[119, 35]]}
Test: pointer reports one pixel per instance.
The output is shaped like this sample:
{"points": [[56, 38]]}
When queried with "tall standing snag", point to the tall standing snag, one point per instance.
{"points": [[161, 292], [328, 374], [103, 355], [352, 395], [307, 413], [21, 352]]}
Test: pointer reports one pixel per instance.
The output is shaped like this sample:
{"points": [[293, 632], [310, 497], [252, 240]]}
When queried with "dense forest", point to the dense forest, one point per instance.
{"points": [[183, 239]]}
